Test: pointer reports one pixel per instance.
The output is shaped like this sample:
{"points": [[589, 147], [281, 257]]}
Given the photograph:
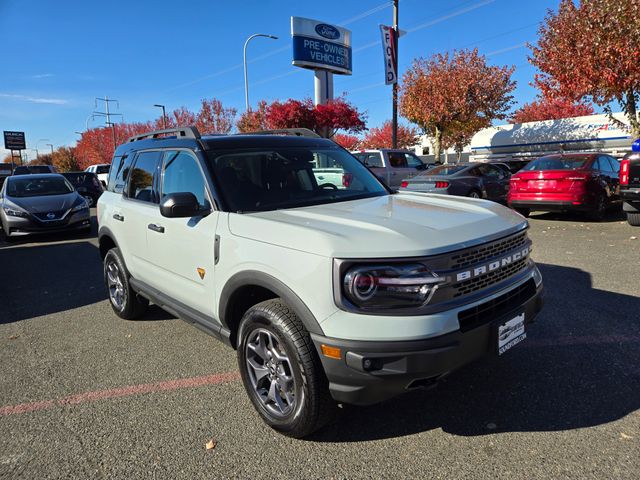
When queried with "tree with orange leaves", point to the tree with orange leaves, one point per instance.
{"points": [[453, 96], [550, 109], [592, 50]]}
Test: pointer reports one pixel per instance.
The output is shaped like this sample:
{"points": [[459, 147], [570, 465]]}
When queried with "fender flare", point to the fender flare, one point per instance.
{"points": [[264, 280]]}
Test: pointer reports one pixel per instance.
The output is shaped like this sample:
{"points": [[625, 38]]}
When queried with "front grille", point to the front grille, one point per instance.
{"points": [[484, 252], [43, 215], [491, 278], [488, 311]]}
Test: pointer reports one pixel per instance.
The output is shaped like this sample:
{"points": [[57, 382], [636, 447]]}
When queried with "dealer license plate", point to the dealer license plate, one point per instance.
{"points": [[511, 333]]}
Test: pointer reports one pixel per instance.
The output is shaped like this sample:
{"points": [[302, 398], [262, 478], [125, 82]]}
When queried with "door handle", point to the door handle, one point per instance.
{"points": [[117, 216], [155, 228]]}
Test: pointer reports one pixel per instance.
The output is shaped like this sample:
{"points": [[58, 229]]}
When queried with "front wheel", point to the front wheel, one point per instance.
{"points": [[126, 303], [474, 194], [281, 371]]}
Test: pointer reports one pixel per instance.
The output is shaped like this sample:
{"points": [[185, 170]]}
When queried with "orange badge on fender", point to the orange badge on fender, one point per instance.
{"points": [[201, 272]]}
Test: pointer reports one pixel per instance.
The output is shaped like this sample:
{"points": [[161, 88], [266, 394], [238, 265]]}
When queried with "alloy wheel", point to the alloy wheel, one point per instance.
{"points": [[115, 285], [270, 372]]}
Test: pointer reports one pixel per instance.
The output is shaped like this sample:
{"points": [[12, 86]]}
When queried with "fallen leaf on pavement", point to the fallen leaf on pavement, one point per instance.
{"points": [[13, 337], [211, 444], [625, 436]]}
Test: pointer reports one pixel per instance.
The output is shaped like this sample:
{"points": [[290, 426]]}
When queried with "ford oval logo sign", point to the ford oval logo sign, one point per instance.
{"points": [[327, 31]]}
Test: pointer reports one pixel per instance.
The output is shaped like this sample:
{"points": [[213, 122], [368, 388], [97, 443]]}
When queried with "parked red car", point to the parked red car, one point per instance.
{"points": [[586, 182]]}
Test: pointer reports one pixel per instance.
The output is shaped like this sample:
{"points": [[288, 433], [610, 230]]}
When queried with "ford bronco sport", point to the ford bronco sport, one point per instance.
{"points": [[330, 291]]}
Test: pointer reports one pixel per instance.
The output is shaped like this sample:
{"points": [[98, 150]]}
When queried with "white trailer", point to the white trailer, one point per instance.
{"points": [[534, 139]]}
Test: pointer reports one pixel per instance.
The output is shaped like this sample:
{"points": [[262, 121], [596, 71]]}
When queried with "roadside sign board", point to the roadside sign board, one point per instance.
{"points": [[318, 45], [14, 140], [389, 52]]}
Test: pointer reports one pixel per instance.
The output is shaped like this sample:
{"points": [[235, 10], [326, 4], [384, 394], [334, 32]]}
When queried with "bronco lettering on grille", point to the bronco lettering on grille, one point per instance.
{"points": [[490, 267]]}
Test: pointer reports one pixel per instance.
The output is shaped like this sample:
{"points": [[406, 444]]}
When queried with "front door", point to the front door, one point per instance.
{"points": [[182, 250]]}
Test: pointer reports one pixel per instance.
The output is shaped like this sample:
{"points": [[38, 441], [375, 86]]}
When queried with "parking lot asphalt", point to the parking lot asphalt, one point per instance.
{"points": [[86, 394]]}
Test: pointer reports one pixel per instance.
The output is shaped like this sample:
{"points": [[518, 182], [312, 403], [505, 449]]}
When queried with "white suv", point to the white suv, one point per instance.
{"points": [[337, 291]]}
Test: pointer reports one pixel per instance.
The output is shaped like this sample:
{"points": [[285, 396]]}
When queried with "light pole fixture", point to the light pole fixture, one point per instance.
{"points": [[246, 81], [50, 145], [164, 115], [37, 143]]}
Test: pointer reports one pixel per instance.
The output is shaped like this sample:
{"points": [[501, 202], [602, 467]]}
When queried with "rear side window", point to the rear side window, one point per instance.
{"points": [[141, 177], [119, 172], [371, 159]]}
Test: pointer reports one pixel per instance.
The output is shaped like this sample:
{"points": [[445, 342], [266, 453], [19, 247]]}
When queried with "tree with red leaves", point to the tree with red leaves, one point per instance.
{"points": [[325, 120], [550, 109], [64, 159], [380, 137], [348, 142], [592, 50], [449, 97]]}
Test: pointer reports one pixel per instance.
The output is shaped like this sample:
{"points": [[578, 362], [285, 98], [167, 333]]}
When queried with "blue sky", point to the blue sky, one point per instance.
{"points": [[58, 56]]}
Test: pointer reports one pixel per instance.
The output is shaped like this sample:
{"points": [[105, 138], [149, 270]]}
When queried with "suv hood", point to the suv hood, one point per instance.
{"points": [[399, 225]]}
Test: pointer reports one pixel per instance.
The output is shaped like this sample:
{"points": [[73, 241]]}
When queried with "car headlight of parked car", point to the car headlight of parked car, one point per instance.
{"points": [[390, 286], [81, 206], [15, 212]]}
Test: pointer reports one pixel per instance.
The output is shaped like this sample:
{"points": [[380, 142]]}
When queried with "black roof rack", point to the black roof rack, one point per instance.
{"points": [[297, 132], [181, 132]]}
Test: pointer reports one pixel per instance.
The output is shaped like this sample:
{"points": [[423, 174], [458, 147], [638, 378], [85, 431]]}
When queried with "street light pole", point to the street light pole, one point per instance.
{"points": [[37, 143], [51, 145], [164, 115], [394, 113], [244, 56]]}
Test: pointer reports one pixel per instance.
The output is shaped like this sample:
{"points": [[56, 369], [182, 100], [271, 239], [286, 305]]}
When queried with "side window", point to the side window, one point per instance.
{"points": [[493, 172], [598, 166], [140, 186], [181, 173], [120, 167], [412, 160], [615, 166], [397, 160], [370, 159]]}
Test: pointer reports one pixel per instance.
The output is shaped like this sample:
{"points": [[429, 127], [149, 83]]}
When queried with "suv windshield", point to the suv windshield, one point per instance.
{"points": [[37, 186], [557, 163], [289, 177]]}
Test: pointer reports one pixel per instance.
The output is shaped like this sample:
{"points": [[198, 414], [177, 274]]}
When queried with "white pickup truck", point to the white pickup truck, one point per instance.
{"points": [[391, 166]]}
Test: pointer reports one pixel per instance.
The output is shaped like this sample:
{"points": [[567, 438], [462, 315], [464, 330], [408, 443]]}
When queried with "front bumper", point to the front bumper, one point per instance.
{"points": [[370, 372], [18, 226]]}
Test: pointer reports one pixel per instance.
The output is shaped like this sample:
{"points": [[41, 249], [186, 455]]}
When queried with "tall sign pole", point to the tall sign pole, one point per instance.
{"points": [[394, 115]]}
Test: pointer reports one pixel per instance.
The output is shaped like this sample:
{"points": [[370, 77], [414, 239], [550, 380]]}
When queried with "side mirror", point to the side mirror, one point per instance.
{"points": [[180, 205]]}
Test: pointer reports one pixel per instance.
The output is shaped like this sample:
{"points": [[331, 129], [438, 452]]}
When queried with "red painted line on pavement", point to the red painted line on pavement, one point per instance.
{"points": [[127, 391]]}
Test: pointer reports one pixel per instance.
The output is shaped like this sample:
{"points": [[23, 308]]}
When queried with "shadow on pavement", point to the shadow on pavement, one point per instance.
{"points": [[613, 215], [579, 367]]}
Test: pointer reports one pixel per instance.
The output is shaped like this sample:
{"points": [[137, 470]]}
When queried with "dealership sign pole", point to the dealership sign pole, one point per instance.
{"points": [[323, 48], [14, 141]]}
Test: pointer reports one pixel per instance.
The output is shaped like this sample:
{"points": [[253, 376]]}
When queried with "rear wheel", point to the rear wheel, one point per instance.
{"points": [[125, 302], [474, 194], [281, 371], [633, 218], [600, 210]]}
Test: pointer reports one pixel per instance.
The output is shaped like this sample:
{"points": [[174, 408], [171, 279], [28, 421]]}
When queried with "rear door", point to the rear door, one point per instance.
{"points": [[614, 177], [399, 167], [374, 161], [137, 210], [181, 251]]}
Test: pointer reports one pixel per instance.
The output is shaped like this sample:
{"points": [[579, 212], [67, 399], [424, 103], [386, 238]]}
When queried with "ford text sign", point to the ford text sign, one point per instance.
{"points": [[318, 45]]}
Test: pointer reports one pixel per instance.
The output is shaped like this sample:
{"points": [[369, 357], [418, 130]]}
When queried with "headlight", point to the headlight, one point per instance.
{"points": [[390, 286], [80, 206], [15, 213]]}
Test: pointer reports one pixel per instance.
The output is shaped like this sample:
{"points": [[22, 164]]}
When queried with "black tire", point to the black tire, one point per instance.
{"points": [[313, 406], [525, 212], [600, 209], [132, 305], [633, 218], [474, 194]]}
